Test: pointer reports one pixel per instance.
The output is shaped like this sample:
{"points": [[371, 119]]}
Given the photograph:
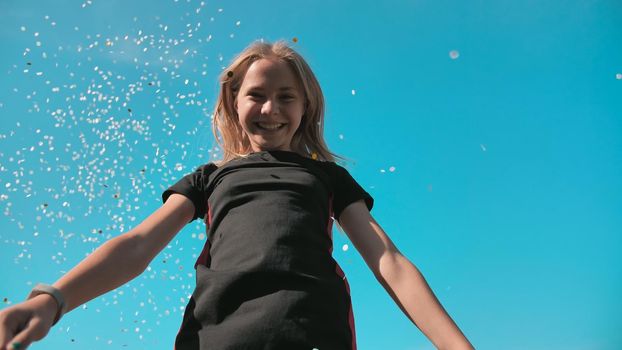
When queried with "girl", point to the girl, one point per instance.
{"points": [[265, 278]]}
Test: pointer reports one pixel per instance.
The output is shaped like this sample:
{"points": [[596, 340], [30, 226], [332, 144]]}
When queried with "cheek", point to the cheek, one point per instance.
{"points": [[243, 112], [248, 108]]}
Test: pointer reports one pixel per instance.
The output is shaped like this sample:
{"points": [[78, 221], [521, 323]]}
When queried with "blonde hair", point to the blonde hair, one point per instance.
{"points": [[307, 140]]}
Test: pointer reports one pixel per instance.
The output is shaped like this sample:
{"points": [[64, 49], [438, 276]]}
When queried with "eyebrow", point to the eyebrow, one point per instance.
{"points": [[284, 88]]}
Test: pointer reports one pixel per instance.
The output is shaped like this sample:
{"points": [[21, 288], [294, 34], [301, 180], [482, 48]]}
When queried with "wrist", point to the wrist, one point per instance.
{"points": [[57, 302], [48, 304]]}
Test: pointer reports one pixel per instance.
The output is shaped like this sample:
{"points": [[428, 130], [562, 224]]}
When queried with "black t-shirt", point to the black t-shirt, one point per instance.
{"points": [[266, 278]]}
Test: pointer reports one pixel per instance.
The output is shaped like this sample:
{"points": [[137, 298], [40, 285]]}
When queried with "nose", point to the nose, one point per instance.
{"points": [[269, 107]]}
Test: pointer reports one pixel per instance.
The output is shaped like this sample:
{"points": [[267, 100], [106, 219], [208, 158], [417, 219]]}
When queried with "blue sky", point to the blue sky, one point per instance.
{"points": [[489, 134]]}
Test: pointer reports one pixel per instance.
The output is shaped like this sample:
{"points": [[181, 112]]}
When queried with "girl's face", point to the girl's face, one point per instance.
{"points": [[270, 104]]}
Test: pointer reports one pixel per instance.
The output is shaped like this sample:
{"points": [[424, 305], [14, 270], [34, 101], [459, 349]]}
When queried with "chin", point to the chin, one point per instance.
{"points": [[269, 146]]}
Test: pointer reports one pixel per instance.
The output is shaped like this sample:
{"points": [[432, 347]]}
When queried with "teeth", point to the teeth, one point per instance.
{"points": [[270, 126]]}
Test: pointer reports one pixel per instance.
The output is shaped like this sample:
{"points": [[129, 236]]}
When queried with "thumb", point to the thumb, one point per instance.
{"points": [[34, 330]]}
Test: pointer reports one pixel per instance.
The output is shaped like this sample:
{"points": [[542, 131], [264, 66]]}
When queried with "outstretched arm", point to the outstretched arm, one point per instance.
{"points": [[114, 263], [401, 279]]}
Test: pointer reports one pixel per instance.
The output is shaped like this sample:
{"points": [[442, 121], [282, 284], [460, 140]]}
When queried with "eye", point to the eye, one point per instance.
{"points": [[288, 97]]}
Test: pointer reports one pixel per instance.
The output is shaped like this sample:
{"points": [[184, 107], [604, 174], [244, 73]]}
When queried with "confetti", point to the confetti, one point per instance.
{"points": [[619, 76], [345, 248], [454, 54], [108, 104]]}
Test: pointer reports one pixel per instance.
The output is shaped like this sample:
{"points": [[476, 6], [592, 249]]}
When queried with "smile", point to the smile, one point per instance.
{"points": [[270, 126]]}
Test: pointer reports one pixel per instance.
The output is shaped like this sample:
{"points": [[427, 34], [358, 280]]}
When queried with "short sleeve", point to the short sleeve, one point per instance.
{"points": [[347, 191], [194, 186]]}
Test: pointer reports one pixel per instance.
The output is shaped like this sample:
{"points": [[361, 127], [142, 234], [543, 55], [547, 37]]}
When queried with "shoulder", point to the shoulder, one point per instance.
{"points": [[335, 170], [327, 168], [206, 168], [201, 174]]}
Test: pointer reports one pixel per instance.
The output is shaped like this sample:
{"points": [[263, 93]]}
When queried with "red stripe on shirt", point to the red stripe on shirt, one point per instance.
{"points": [[204, 258], [339, 271]]}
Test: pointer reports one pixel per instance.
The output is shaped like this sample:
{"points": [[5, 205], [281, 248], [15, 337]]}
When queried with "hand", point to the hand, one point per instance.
{"points": [[24, 323]]}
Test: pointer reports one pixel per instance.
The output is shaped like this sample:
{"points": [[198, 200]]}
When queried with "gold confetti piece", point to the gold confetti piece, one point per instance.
{"points": [[294, 39], [314, 156]]}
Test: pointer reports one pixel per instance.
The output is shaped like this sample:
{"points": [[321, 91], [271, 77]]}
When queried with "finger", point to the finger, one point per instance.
{"points": [[29, 334], [15, 345], [9, 327], [5, 334]]}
